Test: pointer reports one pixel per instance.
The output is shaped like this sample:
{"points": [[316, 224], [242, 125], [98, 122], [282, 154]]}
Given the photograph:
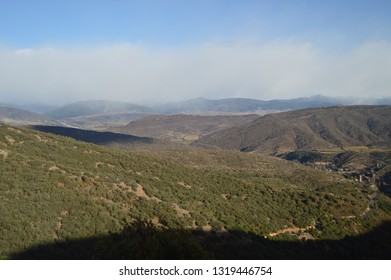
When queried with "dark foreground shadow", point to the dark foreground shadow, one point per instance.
{"points": [[143, 241]]}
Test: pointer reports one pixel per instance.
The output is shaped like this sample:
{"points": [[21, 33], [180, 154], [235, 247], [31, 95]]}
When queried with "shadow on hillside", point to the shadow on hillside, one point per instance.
{"points": [[143, 241], [386, 185], [94, 137]]}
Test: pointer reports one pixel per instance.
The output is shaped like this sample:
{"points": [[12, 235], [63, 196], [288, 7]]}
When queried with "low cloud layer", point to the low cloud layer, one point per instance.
{"points": [[139, 74]]}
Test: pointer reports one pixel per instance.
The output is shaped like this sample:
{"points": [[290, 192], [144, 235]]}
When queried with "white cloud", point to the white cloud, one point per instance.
{"points": [[139, 74]]}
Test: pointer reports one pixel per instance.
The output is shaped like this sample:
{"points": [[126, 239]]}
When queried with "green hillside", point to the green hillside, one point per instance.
{"points": [[55, 190]]}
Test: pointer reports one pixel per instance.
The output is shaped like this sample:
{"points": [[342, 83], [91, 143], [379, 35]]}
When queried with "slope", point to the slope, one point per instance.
{"points": [[54, 189], [308, 129]]}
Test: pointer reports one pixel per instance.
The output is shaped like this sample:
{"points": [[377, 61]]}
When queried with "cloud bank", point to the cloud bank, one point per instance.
{"points": [[139, 74]]}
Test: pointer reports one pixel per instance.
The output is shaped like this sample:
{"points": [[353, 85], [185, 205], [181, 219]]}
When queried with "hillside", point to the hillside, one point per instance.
{"points": [[94, 107], [14, 116], [88, 201], [307, 129], [184, 128]]}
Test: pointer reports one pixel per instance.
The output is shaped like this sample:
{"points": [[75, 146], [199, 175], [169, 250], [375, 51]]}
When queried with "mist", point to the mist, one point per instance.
{"points": [[140, 74]]}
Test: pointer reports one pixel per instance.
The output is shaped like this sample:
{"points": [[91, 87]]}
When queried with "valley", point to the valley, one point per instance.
{"points": [[181, 128]]}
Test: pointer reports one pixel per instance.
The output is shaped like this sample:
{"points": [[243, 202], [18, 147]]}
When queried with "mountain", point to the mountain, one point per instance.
{"points": [[65, 199], [203, 105], [14, 116], [307, 129], [95, 107], [185, 128]]}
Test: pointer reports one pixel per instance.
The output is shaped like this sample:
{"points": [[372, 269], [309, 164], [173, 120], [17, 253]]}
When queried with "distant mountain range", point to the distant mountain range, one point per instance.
{"points": [[198, 106], [100, 114], [307, 129], [203, 105], [95, 107]]}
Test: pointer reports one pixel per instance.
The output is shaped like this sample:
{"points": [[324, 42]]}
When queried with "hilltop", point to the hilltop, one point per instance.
{"points": [[307, 129]]}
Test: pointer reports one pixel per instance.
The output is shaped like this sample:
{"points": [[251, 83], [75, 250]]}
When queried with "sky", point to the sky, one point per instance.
{"points": [[148, 52]]}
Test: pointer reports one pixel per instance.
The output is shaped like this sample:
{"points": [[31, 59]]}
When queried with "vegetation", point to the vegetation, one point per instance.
{"points": [[143, 240], [308, 129], [54, 189], [304, 156]]}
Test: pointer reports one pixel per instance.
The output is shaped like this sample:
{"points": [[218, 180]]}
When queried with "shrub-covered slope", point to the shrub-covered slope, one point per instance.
{"points": [[54, 189], [308, 129]]}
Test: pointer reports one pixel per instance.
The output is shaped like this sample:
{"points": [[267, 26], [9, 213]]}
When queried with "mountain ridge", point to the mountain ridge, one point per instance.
{"points": [[226, 105], [94, 107], [313, 128]]}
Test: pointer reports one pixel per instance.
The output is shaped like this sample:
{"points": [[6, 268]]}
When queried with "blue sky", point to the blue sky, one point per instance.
{"points": [[163, 39], [157, 23]]}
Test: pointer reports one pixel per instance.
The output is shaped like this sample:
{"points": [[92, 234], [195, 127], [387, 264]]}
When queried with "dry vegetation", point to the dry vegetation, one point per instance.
{"points": [[308, 129]]}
